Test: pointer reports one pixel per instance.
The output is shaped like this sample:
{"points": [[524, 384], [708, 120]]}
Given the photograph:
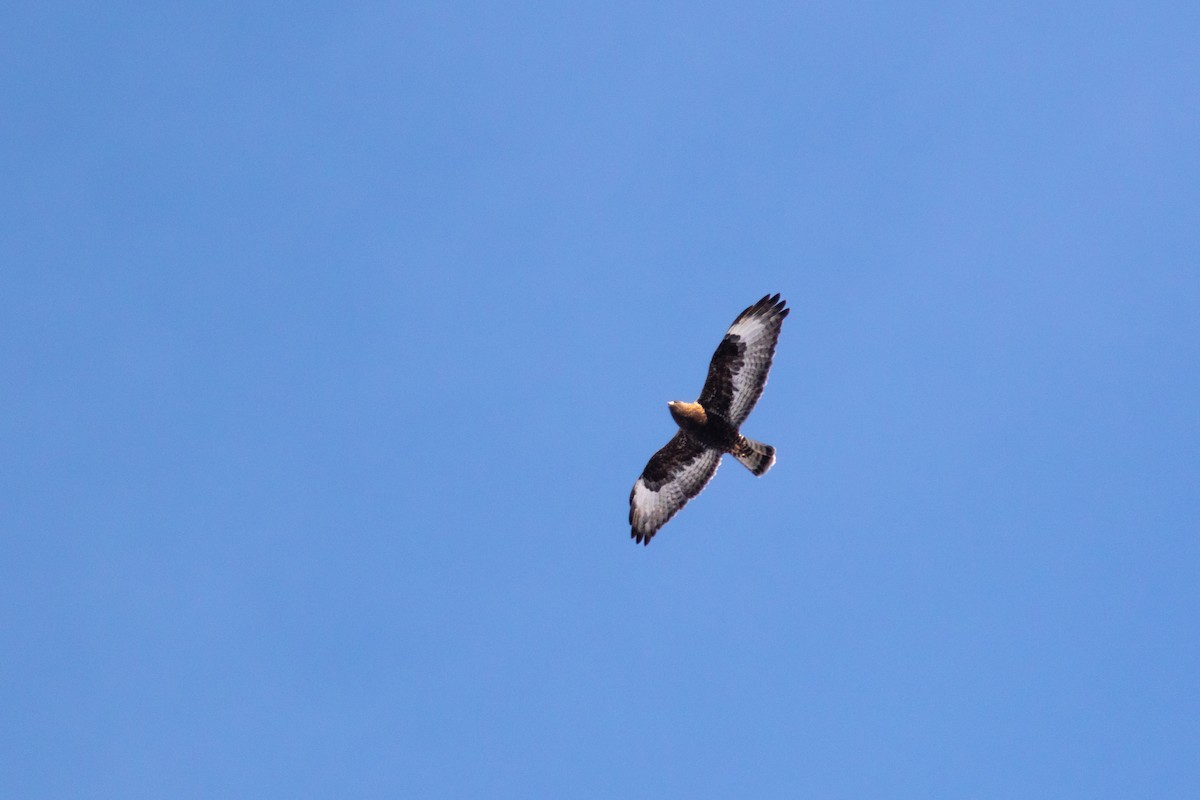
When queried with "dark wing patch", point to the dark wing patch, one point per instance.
{"points": [[674, 475], [739, 367]]}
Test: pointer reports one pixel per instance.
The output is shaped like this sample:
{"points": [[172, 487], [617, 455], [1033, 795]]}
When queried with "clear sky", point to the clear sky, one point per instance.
{"points": [[334, 336]]}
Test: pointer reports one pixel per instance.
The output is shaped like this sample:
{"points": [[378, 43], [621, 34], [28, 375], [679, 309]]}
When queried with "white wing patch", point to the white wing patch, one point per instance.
{"points": [[750, 328]]}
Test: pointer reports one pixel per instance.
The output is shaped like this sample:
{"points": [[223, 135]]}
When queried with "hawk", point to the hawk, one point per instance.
{"points": [[708, 428]]}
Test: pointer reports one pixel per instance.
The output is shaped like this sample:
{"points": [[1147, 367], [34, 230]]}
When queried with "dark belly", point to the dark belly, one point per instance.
{"points": [[716, 433]]}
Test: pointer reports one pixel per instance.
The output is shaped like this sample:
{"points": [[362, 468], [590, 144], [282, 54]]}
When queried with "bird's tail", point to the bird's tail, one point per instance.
{"points": [[755, 456]]}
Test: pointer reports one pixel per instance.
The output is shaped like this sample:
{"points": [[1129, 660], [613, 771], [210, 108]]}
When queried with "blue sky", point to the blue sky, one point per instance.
{"points": [[335, 336]]}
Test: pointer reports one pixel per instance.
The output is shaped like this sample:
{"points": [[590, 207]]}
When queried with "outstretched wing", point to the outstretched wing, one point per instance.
{"points": [[675, 474], [738, 371]]}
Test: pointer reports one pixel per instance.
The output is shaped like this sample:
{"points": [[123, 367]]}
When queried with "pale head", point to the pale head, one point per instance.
{"points": [[687, 414]]}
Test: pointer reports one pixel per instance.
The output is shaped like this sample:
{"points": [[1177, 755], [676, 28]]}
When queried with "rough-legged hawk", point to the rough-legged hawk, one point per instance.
{"points": [[709, 427]]}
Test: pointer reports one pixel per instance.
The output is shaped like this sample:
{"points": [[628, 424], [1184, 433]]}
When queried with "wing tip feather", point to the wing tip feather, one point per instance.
{"points": [[769, 305], [770, 308]]}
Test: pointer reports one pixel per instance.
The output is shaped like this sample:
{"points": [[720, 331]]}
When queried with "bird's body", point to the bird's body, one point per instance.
{"points": [[709, 427]]}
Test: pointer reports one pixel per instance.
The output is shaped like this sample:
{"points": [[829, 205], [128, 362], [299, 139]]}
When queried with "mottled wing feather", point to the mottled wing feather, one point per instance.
{"points": [[674, 475], [738, 370]]}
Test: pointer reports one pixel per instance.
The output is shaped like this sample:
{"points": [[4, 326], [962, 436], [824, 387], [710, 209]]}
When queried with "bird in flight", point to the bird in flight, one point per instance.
{"points": [[709, 427]]}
